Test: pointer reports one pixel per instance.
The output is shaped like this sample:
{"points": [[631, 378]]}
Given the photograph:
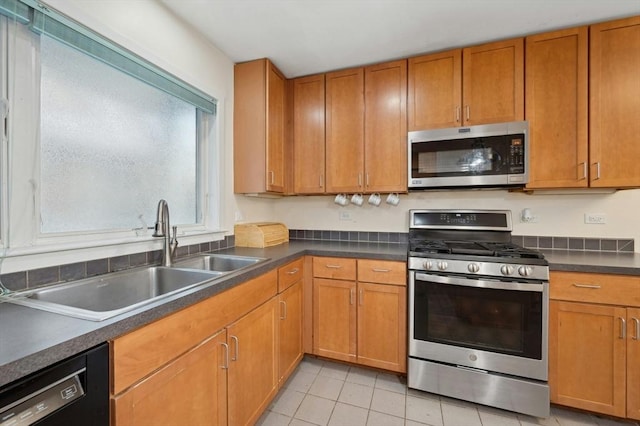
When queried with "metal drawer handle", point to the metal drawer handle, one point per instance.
{"points": [[333, 266], [381, 270], [226, 356], [637, 335], [592, 286], [235, 355], [283, 311], [623, 328], [351, 295], [360, 297], [293, 271], [584, 170]]}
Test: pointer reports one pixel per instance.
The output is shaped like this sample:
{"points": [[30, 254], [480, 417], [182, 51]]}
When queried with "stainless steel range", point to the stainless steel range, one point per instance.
{"points": [[478, 311]]}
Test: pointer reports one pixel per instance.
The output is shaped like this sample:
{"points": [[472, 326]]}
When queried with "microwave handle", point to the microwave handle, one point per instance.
{"points": [[499, 285]]}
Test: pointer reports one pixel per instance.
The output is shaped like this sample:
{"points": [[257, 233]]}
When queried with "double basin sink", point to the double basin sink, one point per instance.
{"points": [[102, 297]]}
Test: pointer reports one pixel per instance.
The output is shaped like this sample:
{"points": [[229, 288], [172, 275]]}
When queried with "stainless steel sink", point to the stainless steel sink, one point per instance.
{"points": [[105, 296], [219, 262]]}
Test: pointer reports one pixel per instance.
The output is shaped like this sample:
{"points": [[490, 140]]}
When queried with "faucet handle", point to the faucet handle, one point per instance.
{"points": [[175, 234]]}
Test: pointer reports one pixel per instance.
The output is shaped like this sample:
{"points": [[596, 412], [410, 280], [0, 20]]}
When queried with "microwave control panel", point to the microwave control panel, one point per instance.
{"points": [[516, 155]]}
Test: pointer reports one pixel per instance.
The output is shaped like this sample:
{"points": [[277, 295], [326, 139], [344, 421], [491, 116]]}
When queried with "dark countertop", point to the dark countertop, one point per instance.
{"points": [[32, 339], [593, 262]]}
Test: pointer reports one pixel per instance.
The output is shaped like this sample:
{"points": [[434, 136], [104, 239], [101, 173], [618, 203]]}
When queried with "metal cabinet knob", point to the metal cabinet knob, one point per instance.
{"points": [[473, 267], [506, 269]]}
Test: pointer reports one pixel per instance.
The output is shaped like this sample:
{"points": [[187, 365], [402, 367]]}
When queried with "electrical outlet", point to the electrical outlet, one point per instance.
{"points": [[595, 219], [344, 215]]}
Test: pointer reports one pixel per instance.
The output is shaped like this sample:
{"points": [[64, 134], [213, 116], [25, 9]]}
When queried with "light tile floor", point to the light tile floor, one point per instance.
{"points": [[327, 393]]}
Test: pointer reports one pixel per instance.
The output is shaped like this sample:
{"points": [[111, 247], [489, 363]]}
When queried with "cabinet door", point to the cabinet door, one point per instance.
{"points": [[345, 130], [633, 363], [556, 108], [189, 390], [385, 133], [253, 366], [382, 326], [290, 350], [275, 130], [587, 357], [435, 90], [308, 134], [334, 319], [493, 82], [614, 103]]}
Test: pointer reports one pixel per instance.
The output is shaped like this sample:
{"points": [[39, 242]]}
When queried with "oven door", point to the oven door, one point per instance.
{"points": [[488, 325]]}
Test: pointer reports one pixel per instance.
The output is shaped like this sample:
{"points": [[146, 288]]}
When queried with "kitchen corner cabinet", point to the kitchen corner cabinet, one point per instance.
{"points": [[309, 135], [366, 146], [557, 108], [594, 345], [463, 87], [614, 103], [359, 311], [259, 128]]}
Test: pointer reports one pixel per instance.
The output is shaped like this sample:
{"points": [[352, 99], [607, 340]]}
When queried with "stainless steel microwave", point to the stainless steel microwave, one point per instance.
{"points": [[490, 155]]}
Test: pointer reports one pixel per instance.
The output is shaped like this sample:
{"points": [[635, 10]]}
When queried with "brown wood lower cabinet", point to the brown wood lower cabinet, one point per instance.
{"points": [[594, 348], [253, 365], [360, 320], [290, 331], [191, 390]]}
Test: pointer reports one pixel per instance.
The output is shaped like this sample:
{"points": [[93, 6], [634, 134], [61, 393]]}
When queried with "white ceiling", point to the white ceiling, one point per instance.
{"points": [[310, 36]]}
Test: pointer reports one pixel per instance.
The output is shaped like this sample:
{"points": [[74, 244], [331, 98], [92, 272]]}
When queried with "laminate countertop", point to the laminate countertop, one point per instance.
{"points": [[32, 339]]}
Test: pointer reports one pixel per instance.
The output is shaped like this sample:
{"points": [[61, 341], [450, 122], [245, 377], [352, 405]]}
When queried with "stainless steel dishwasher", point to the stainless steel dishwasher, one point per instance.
{"points": [[72, 392]]}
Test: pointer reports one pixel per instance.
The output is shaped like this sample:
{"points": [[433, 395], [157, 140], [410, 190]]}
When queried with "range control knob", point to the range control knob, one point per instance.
{"points": [[427, 264], [525, 271], [473, 267], [443, 265], [506, 269]]}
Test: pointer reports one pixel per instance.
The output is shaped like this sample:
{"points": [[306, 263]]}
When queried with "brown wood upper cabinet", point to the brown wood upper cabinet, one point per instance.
{"points": [[614, 103], [577, 141], [345, 130], [366, 129], [308, 135], [462, 87], [556, 108], [259, 122]]}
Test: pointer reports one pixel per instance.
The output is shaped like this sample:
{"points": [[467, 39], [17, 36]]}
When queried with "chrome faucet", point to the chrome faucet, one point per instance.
{"points": [[162, 230]]}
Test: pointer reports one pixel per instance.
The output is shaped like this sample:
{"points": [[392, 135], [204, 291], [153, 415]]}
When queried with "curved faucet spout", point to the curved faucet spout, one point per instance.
{"points": [[162, 229]]}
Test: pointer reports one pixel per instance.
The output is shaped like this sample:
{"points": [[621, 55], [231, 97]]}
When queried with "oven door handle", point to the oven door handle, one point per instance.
{"points": [[538, 287]]}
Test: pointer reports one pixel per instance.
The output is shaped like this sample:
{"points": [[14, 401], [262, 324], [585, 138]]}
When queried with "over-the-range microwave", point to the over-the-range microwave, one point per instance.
{"points": [[490, 155]]}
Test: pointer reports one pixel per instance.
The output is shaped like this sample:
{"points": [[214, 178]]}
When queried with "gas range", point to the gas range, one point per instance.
{"points": [[471, 242], [478, 311]]}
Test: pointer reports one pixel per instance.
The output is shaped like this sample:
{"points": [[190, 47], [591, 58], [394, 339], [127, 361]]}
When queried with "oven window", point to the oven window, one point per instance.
{"points": [[502, 321]]}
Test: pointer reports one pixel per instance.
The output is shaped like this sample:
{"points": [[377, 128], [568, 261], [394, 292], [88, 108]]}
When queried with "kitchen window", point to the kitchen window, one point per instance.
{"points": [[96, 136]]}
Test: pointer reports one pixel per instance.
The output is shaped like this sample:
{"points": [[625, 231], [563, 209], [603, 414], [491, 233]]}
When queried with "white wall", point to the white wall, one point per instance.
{"points": [[557, 215]]}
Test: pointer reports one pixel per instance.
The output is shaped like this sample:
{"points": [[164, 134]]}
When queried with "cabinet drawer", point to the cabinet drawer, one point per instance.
{"points": [[289, 274], [136, 354], [382, 271], [621, 290], [334, 267]]}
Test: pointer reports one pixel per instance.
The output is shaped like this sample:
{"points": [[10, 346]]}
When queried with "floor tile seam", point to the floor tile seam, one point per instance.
{"points": [[316, 396], [339, 392], [406, 401]]}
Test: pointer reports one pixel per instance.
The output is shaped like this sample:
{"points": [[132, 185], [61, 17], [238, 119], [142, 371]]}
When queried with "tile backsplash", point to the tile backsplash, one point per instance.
{"points": [[535, 242]]}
